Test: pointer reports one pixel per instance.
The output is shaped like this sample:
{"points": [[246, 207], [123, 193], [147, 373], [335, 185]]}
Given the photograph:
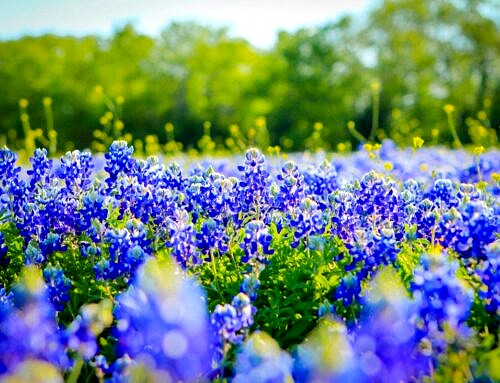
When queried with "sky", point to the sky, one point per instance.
{"points": [[258, 21]]}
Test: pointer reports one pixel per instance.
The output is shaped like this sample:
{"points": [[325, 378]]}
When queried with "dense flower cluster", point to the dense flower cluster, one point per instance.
{"points": [[108, 229]]}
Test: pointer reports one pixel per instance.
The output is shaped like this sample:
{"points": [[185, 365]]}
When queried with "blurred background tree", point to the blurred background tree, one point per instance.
{"points": [[405, 58]]}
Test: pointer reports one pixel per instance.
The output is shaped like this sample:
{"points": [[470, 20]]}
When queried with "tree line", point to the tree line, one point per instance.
{"points": [[387, 73]]}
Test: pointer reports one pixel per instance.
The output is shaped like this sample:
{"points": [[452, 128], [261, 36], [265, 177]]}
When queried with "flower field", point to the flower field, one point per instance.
{"points": [[376, 266]]}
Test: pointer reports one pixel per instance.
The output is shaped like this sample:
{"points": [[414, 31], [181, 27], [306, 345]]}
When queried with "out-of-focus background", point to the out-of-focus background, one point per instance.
{"points": [[275, 73]]}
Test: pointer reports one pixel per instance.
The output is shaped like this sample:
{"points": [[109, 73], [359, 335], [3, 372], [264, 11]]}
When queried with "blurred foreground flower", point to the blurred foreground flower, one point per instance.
{"points": [[33, 371], [162, 323], [28, 329], [262, 361]]}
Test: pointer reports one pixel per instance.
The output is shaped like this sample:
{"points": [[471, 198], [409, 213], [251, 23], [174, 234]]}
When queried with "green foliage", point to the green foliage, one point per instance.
{"points": [[409, 257], [15, 255], [293, 285], [221, 278]]}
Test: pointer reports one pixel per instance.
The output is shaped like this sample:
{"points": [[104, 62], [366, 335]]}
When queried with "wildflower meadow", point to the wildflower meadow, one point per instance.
{"points": [[249, 191], [377, 265]]}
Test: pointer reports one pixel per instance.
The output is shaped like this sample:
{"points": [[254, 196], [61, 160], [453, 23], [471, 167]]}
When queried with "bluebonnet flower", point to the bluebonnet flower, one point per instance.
{"points": [[443, 301], [120, 370], [101, 364], [450, 228], [349, 289], [225, 200], [321, 181], [12, 189], [162, 322], [6, 299], [469, 192], [4, 260], [173, 178], [256, 242], [261, 360], [53, 242], [253, 187], [76, 171], [249, 286], [342, 204], [128, 248], [58, 285], [94, 209], [212, 238], [183, 239], [41, 168], [369, 353], [150, 171], [231, 323], [468, 228], [28, 328], [8, 167], [414, 190], [33, 255], [89, 249], [291, 190], [382, 355], [444, 193], [242, 303], [210, 194], [309, 221], [226, 324], [367, 256], [47, 214], [118, 161], [378, 249], [377, 201], [158, 206], [488, 163], [480, 224], [427, 217]]}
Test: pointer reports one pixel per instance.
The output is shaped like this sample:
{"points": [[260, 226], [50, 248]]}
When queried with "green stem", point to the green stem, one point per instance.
{"points": [[375, 114], [355, 133], [51, 133], [75, 372], [451, 124]]}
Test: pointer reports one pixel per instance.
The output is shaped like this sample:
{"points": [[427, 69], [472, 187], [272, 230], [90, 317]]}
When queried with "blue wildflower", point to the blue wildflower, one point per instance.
{"points": [[28, 328], [119, 161], [253, 194], [4, 260], [443, 301], [256, 242], [41, 167], [162, 322], [58, 285], [212, 238]]}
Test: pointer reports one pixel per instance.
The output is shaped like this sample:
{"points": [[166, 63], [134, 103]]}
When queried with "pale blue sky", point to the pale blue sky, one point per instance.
{"points": [[258, 21]]}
